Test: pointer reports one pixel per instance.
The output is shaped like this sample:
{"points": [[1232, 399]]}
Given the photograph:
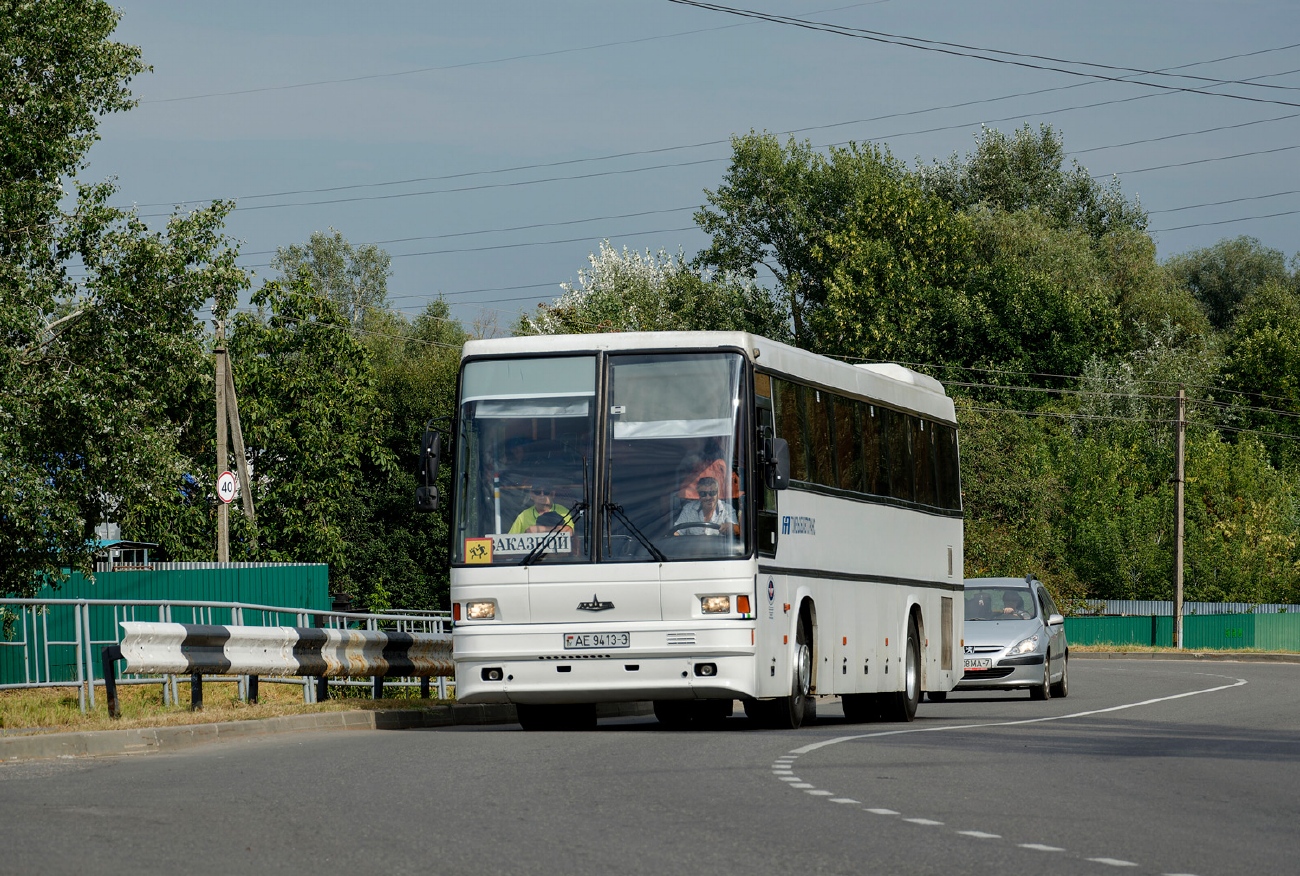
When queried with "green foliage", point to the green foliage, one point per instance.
{"points": [[1026, 171], [631, 291], [355, 278], [311, 417], [1220, 277], [96, 372], [1262, 359], [1243, 523]]}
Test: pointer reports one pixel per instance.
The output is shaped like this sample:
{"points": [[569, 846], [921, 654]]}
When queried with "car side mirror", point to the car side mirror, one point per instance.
{"points": [[776, 463], [1055, 620], [426, 495]]}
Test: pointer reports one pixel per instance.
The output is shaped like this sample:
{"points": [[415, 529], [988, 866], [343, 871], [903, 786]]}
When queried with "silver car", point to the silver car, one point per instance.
{"points": [[1015, 638]]}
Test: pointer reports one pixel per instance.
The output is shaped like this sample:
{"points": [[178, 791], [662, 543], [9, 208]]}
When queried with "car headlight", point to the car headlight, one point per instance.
{"points": [[1024, 646]]}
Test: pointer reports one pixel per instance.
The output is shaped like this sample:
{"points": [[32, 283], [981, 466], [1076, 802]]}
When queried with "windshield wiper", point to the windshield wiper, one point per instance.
{"points": [[632, 527], [538, 550]]}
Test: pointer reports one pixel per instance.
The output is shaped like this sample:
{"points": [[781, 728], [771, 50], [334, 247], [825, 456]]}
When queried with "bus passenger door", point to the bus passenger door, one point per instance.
{"points": [[765, 504]]}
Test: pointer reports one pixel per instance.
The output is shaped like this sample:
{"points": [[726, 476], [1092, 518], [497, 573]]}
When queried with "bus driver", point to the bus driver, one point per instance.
{"points": [[706, 510]]}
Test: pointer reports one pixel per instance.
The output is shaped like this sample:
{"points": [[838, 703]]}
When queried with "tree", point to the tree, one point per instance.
{"points": [[355, 278], [1220, 277], [1026, 171], [632, 291], [398, 558], [311, 417], [775, 207], [95, 370], [1262, 363]]}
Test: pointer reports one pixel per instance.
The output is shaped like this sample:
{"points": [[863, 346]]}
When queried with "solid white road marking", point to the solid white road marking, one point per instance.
{"points": [[1039, 847], [1114, 862], [816, 745], [979, 834]]}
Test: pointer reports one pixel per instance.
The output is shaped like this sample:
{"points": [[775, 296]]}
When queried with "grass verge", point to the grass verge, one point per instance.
{"points": [[55, 710]]}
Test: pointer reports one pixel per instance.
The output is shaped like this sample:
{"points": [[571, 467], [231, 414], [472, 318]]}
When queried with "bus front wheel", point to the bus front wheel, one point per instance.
{"points": [[789, 712], [901, 705]]}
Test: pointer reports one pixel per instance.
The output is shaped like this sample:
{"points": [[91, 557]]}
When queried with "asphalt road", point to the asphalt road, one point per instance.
{"points": [[1148, 767]]}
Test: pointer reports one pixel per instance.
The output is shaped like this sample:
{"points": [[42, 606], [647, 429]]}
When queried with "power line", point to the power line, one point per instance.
{"points": [[1226, 221], [418, 70], [1221, 203], [974, 52], [723, 141]]}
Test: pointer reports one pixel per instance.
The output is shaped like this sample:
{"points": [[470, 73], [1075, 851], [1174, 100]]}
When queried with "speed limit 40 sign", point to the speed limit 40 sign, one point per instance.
{"points": [[226, 486]]}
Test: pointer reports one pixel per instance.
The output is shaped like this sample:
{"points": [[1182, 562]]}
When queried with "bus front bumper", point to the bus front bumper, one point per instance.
{"points": [[498, 665]]}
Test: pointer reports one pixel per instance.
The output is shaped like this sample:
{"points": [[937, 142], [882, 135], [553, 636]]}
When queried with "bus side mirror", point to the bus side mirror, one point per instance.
{"points": [[776, 463], [426, 495]]}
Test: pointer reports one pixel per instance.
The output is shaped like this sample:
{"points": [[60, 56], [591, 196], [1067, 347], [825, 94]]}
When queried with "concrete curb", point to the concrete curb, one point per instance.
{"points": [[1215, 657], [103, 743]]}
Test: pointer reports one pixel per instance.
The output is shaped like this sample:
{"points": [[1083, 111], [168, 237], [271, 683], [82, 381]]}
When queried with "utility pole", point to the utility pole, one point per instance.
{"points": [[1180, 445], [223, 510]]}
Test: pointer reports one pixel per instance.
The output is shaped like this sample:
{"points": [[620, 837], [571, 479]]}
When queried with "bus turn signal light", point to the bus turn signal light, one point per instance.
{"points": [[742, 604]]}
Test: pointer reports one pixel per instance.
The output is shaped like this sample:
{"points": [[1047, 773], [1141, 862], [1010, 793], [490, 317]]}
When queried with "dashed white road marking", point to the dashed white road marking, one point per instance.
{"points": [[781, 765]]}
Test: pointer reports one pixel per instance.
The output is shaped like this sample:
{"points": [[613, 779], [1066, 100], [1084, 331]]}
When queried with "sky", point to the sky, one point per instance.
{"points": [[491, 146]]}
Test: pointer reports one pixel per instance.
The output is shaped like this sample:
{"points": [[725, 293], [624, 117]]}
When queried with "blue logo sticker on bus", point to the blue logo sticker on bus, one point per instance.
{"points": [[798, 525]]}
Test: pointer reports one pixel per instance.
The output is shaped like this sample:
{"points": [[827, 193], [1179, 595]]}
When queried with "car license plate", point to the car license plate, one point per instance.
{"points": [[978, 663], [581, 641]]}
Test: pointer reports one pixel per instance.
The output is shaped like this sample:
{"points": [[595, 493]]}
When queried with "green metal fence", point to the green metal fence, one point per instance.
{"points": [[1270, 632], [45, 644]]}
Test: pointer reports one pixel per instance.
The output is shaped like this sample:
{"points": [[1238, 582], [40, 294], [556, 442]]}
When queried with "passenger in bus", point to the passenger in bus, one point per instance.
{"points": [[706, 509], [708, 464], [543, 495]]}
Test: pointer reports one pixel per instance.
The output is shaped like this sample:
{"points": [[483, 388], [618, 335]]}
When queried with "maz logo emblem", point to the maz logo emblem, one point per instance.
{"points": [[595, 605]]}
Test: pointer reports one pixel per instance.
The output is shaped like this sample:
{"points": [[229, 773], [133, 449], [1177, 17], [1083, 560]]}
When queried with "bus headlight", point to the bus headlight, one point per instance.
{"points": [[715, 604], [480, 610]]}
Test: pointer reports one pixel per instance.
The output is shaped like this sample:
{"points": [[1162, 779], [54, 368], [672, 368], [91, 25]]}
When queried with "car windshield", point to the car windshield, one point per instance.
{"points": [[999, 603]]}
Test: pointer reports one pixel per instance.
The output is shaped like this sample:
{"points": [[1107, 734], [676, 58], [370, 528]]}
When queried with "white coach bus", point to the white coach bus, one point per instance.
{"points": [[691, 518]]}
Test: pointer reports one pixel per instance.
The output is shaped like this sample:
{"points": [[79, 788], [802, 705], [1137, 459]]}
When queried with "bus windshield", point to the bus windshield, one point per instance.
{"points": [[675, 461], [672, 477], [524, 461]]}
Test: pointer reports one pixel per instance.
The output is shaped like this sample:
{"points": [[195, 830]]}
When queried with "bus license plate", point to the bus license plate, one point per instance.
{"points": [[979, 662], [581, 641]]}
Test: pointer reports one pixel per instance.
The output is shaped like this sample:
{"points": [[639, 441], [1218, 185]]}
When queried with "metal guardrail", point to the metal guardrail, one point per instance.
{"points": [[50, 643]]}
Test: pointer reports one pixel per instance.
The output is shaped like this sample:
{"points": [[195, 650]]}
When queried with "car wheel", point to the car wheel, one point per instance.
{"points": [[1043, 691], [901, 705], [1062, 687]]}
